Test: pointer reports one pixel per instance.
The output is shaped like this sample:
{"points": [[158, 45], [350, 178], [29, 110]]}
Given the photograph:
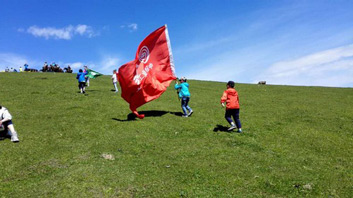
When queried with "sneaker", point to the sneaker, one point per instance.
{"points": [[190, 112], [232, 127], [240, 131], [14, 139], [184, 116]]}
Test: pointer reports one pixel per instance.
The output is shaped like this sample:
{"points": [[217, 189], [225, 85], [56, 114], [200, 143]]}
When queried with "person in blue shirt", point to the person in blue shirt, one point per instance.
{"points": [[81, 76], [184, 95], [26, 67]]}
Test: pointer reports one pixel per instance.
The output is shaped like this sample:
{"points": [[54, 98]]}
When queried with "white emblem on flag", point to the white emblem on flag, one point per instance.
{"points": [[144, 54]]}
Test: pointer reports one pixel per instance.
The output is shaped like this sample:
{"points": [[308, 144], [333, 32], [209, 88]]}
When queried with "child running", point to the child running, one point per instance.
{"points": [[184, 94], [231, 98], [81, 80], [6, 121], [86, 77], [115, 80]]}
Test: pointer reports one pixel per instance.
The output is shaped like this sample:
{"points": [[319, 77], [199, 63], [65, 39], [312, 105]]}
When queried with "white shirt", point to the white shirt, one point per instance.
{"points": [[114, 78], [5, 114]]}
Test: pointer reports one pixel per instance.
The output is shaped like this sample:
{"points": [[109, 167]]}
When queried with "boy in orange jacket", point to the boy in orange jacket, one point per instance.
{"points": [[231, 98]]}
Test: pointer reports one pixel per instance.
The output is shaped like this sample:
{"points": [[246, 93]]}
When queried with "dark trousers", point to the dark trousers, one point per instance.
{"points": [[81, 85], [185, 105], [235, 114]]}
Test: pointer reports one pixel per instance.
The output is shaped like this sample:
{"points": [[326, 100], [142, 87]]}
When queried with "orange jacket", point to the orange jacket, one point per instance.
{"points": [[230, 96]]}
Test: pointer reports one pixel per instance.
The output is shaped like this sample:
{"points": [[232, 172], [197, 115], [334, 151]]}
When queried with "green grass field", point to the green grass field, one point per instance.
{"points": [[297, 142]]}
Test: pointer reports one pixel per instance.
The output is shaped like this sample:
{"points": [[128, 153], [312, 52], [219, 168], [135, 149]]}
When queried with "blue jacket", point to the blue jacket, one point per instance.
{"points": [[184, 89], [81, 76]]}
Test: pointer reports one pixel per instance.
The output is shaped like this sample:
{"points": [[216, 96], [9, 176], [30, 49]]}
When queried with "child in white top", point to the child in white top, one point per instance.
{"points": [[6, 121], [115, 80]]}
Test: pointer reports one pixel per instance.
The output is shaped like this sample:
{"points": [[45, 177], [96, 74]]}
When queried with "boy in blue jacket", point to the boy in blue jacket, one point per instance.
{"points": [[81, 76], [184, 94]]}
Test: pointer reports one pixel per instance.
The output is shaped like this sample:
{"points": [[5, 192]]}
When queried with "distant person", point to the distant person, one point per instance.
{"points": [[45, 67], [21, 70], [81, 76], [115, 80], [26, 66], [87, 78], [6, 121], [231, 98], [7, 69], [184, 95], [68, 69], [51, 68]]}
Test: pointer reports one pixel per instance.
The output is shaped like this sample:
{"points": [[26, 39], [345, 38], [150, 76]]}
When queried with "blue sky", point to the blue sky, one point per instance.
{"points": [[282, 42]]}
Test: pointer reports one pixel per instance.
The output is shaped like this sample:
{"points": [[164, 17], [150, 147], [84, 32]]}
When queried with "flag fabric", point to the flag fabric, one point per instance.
{"points": [[92, 74], [148, 76]]}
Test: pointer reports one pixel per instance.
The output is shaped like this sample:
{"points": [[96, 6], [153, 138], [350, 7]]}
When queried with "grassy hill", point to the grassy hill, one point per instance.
{"points": [[297, 142]]}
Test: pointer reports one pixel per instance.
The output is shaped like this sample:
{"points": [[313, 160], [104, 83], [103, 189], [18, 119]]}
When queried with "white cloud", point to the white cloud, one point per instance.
{"points": [[81, 29], [109, 63], [332, 67], [85, 30], [65, 33], [132, 27]]}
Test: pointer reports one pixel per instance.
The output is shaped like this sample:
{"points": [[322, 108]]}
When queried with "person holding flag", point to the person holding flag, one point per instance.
{"points": [[86, 77], [184, 95], [147, 76], [90, 74]]}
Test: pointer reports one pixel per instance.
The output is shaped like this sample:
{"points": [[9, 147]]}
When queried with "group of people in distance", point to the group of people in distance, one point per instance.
{"points": [[46, 68], [55, 68], [20, 69], [229, 99]]}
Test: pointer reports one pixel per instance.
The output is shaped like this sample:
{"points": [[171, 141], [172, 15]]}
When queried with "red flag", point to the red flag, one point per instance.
{"points": [[148, 76]]}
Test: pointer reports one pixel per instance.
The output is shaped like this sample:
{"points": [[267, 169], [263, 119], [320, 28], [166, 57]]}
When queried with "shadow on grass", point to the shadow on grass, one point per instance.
{"points": [[221, 128], [152, 113], [176, 113]]}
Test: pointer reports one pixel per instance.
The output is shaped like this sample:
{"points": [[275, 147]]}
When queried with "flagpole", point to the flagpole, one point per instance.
{"points": [[170, 50]]}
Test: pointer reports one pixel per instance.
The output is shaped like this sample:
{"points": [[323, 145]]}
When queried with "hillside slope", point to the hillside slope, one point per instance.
{"points": [[297, 141]]}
